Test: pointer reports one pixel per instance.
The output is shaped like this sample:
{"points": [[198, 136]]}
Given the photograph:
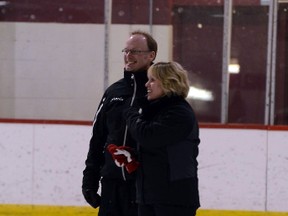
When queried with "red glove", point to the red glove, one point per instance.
{"points": [[122, 156]]}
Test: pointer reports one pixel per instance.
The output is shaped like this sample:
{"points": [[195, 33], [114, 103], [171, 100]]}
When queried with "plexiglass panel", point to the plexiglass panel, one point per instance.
{"points": [[281, 87], [198, 37], [56, 57], [248, 63]]}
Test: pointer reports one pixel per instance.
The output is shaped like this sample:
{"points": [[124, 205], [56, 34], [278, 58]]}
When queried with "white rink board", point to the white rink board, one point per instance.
{"points": [[232, 169], [43, 164]]}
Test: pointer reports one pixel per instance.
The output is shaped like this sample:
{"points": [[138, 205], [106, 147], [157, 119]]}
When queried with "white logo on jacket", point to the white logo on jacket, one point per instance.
{"points": [[116, 99]]}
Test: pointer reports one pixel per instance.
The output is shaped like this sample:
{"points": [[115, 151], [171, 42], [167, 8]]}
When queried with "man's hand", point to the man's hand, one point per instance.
{"points": [[92, 197]]}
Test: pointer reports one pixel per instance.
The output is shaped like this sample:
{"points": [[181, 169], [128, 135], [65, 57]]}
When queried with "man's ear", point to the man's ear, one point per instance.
{"points": [[152, 55]]}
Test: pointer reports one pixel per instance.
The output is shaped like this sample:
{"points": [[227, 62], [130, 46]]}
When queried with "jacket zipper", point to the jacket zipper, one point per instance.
{"points": [[126, 127]]}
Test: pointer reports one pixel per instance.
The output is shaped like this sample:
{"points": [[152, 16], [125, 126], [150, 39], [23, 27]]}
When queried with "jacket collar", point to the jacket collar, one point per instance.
{"points": [[139, 75], [140, 78]]}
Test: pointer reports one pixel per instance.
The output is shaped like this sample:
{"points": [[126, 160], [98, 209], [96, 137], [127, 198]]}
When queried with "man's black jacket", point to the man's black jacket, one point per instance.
{"points": [[109, 128]]}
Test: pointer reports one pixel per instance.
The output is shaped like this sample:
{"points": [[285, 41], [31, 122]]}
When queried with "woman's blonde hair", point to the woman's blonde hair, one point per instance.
{"points": [[173, 77]]}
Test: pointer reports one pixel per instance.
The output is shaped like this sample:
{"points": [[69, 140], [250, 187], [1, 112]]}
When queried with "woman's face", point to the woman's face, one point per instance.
{"points": [[154, 87]]}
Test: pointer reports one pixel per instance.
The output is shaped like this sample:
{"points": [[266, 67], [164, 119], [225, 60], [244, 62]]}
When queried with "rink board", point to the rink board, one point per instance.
{"points": [[42, 165], [35, 210]]}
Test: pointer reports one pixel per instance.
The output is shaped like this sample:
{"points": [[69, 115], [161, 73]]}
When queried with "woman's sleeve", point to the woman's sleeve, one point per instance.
{"points": [[168, 127]]}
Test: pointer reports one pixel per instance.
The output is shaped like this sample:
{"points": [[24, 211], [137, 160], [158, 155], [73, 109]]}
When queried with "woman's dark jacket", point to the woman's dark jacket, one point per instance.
{"points": [[168, 136], [109, 128]]}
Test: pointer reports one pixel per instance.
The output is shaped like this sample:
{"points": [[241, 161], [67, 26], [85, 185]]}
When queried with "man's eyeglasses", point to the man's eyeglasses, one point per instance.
{"points": [[134, 52]]}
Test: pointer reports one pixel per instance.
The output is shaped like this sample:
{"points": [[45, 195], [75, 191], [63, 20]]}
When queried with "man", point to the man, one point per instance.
{"points": [[118, 191]]}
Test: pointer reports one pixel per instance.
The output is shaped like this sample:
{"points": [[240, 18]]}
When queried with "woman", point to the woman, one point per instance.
{"points": [[167, 133]]}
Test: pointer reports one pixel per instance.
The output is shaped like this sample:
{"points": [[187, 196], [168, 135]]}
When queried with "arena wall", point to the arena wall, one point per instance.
{"points": [[56, 71]]}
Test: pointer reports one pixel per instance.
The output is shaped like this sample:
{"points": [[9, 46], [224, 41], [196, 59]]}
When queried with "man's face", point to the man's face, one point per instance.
{"points": [[137, 56]]}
